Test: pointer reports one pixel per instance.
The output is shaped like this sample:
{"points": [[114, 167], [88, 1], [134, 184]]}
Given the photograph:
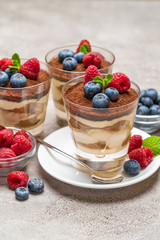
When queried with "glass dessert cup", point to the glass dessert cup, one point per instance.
{"points": [[60, 77], [25, 107], [17, 163], [101, 135]]}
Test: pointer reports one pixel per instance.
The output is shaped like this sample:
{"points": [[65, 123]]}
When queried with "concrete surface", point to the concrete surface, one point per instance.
{"points": [[131, 30]]}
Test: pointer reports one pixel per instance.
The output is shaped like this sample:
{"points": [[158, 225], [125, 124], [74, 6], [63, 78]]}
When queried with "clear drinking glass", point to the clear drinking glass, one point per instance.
{"points": [[60, 77], [101, 135], [25, 107]]}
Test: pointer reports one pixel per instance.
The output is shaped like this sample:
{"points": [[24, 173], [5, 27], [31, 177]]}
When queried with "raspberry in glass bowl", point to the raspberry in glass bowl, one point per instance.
{"points": [[17, 147], [24, 91]]}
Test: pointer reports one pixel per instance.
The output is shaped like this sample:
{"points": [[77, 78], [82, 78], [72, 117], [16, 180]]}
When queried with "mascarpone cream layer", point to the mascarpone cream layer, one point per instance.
{"points": [[105, 123]]}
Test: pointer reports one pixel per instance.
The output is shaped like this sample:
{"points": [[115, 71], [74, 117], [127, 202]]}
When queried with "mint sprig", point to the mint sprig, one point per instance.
{"points": [[16, 62], [84, 48], [104, 82], [153, 143]]}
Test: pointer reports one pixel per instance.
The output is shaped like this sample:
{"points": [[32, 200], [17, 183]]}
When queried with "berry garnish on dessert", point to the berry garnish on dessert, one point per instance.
{"points": [[3, 79], [91, 73], [149, 102], [112, 93], [121, 82], [17, 179], [101, 100], [69, 63], [5, 63], [91, 89], [84, 46], [64, 54], [21, 193], [92, 58], [79, 57], [36, 185], [18, 80]]}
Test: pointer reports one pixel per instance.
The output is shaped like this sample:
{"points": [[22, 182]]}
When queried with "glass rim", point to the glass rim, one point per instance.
{"points": [[75, 45], [19, 158], [39, 84], [91, 108]]}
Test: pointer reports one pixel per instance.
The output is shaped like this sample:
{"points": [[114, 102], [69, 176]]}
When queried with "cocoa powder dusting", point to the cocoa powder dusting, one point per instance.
{"points": [[36, 91], [75, 94], [68, 75]]}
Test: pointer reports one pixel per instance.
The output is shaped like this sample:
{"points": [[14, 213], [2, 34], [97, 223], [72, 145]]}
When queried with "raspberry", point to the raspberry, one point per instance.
{"points": [[120, 81], [91, 73], [31, 68], [7, 153], [22, 132], [135, 142], [6, 137], [17, 179], [142, 155], [81, 43], [20, 145], [4, 63], [92, 58]]}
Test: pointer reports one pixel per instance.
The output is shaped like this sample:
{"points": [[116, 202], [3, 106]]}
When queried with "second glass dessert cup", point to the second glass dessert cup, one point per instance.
{"points": [[101, 135], [60, 77]]}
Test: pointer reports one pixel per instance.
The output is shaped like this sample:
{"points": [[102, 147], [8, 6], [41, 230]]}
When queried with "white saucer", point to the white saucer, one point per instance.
{"points": [[61, 168]]}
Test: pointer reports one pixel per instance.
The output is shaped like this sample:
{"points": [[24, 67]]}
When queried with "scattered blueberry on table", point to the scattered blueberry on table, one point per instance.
{"points": [[149, 102], [36, 185], [21, 193]]}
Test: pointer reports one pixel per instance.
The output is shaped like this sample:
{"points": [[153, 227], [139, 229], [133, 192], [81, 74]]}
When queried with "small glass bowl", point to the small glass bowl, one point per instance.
{"points": [[8, 165], [147, 123]]}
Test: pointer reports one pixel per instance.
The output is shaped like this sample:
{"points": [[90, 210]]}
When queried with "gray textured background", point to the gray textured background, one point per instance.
{"points": [[131, 30]]}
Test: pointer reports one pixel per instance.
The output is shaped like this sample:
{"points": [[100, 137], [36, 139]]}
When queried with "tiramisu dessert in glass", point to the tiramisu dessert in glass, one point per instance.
{"points": [[24, 90], [101, 109], [71, 61]]}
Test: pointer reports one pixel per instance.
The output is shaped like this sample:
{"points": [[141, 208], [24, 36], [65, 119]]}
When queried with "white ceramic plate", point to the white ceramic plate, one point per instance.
{"points": [[61, 168]]}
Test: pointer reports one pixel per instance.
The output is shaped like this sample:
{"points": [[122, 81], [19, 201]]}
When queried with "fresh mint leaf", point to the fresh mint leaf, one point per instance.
{"points": [[108, 79], [16, 62], [153, 143], [98, 79], [84, 48]]}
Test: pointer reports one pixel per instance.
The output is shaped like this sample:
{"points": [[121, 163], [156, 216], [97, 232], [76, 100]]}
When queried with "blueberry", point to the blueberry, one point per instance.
{"points": [[36, 185], [9, 72], [91, 89], [154, 109], [64, 54], [152, 93], [143, 110], [18, 80], [3, 79], [79, 57], [140, 104], [69, 63], [147, 101], [158, 100], [21, 193], [112, 93], [132, 167], [142, 94], [100, 100]]}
